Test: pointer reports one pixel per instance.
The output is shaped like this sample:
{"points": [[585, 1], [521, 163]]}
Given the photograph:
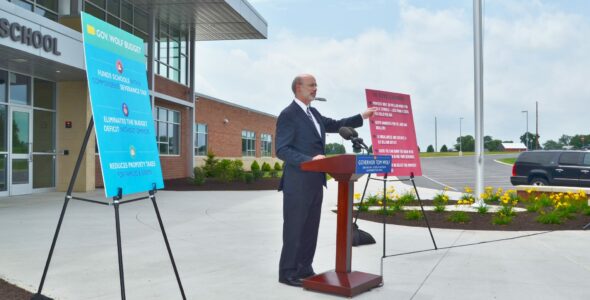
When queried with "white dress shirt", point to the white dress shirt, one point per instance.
{"points": [[304, 108]]}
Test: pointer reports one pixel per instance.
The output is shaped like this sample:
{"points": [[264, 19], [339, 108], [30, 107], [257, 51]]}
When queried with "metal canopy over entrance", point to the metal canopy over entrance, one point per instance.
{"points": [[211, 19]]}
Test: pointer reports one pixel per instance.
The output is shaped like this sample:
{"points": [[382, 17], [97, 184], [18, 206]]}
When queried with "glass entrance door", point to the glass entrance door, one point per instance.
{"points": [[20, 156]]}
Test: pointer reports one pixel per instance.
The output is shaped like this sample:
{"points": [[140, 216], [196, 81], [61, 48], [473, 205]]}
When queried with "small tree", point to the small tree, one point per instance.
{"points": [[255, 168], [444, 148], [274, 173], [335, 148], [552, 145], [210, 163], [266, 167], [278, 167], [430, 148]]}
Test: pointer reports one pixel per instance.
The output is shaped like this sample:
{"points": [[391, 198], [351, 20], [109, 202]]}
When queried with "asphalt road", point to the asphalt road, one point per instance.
{"points": [[458, 172]]}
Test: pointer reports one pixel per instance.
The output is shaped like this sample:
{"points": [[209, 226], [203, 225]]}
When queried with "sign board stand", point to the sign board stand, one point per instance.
{"points": [[385, 180], [116, 201], [393, 133]]}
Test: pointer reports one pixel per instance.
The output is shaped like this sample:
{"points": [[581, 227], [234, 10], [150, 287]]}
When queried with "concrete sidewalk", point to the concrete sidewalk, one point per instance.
{"points": [[227, 246]]}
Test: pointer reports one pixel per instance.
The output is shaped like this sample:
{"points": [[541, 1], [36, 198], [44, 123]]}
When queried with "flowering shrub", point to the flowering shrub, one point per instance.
{"points": [[489, 196], [467, 197], [440, 200], [407, 197], [508, 201], [504, 216]]}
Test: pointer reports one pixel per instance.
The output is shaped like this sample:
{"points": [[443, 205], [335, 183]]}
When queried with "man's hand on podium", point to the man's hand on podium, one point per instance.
{"points": [[318, 157]]}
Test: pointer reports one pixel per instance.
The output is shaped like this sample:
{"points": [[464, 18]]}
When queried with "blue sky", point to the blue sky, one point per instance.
{"points": [[534, 51]]}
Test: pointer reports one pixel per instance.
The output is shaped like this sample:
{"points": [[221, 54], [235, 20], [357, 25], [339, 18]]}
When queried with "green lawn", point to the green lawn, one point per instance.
{"points": [[444, 154], [508, 160]]}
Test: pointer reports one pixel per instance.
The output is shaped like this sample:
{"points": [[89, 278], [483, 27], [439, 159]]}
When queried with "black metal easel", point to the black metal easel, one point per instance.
{"points": [[117, 200], [385, 180], [384, 206]]}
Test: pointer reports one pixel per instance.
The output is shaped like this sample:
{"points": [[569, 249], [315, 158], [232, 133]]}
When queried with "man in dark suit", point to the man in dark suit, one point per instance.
{"points": [[301, 137]]}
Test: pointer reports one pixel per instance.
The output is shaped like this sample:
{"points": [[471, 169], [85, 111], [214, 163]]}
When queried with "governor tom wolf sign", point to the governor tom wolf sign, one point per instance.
{"points": [[125, 132]]}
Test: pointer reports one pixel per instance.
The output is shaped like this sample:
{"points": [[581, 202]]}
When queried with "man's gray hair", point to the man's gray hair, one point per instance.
{"points": [[296, 81]]}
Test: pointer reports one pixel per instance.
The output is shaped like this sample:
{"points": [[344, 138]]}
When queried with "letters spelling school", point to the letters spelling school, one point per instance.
{"points": [[28, 36]]}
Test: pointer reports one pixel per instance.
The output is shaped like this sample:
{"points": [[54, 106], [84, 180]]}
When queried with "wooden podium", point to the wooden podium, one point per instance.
{"points": [[341, 281]]}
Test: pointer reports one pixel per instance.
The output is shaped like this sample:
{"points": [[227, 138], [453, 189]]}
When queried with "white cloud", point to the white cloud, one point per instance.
{"points": [[430, 56]]}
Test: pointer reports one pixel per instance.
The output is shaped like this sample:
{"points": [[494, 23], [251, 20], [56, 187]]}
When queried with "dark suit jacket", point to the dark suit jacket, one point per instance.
{"points": [[297, 141]]}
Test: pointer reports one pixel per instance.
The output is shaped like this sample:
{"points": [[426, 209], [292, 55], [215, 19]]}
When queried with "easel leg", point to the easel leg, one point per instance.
{"points": [[66, 201], [153, 197], [423, 212], [119, 249], [384, 206], [61, 218]]}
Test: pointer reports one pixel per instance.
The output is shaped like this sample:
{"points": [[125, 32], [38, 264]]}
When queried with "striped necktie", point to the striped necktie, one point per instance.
{"points": [[309, 114]]}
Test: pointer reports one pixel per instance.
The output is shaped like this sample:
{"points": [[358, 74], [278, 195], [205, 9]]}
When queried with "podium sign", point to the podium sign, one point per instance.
{"points": [[371, 164], [119, 96]]}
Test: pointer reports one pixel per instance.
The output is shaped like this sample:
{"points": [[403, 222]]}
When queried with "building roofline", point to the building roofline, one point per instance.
{"points": [[200, 95]]}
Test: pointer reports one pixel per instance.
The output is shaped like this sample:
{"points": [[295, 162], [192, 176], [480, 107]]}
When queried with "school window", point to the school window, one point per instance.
{"points": [[200, 139], [122, 14], [248, 143], [45, 8], [171, 51], [168, 131], [266, 145]]}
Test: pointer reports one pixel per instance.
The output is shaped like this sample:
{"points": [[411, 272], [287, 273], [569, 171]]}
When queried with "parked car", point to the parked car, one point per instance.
{"points": [[559, 167]]}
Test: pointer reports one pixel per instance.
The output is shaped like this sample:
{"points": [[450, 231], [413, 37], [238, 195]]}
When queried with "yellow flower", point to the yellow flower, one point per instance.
{"points": [[460, 202], [468, 190], [357, 196]]}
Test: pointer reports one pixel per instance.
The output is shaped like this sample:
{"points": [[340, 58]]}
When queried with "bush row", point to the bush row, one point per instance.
{"points": [[228, 170]]}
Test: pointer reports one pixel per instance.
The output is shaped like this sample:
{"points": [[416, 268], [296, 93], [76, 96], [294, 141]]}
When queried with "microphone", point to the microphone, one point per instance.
{"points": [[320, 99], [346, 133]]}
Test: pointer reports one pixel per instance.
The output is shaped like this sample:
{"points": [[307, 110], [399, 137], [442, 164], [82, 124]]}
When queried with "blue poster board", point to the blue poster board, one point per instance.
{"points": [[119, 96], [373, 164]]}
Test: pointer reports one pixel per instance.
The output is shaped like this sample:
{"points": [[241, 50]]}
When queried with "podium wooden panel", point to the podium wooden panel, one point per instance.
{"points": [[341, 281]]}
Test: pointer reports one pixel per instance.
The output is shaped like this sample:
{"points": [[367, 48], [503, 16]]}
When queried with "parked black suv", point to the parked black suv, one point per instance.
{"points": [[561, 168]]}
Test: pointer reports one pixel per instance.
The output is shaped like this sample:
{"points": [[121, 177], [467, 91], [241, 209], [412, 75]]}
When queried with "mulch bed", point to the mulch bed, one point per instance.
{"points": [[10, 291], [523, 221], [186, 184]]}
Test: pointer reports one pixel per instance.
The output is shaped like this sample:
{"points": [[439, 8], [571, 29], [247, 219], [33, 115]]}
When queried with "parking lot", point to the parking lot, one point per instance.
{"points": [[458, 172]]}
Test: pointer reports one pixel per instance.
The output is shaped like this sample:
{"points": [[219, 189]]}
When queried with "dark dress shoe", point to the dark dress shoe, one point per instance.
{"points": [[292, 281], [307, 275]]}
